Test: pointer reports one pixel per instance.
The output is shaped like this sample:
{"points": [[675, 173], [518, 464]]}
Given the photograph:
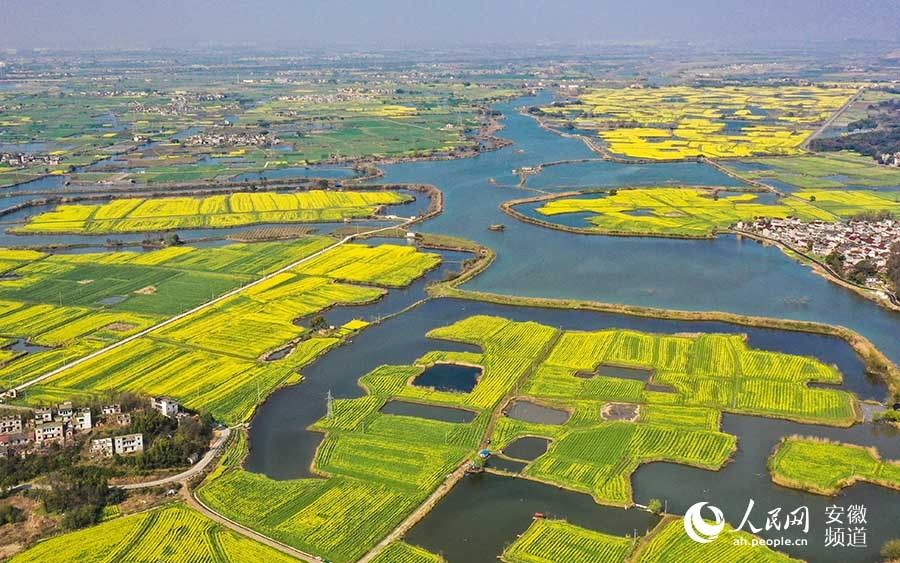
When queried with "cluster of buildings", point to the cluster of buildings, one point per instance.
{"points": [[52, 425], [24, 159], [854, 240], [342, 95], [236, 138], [60, 424], [889, 159], [181, 103]]}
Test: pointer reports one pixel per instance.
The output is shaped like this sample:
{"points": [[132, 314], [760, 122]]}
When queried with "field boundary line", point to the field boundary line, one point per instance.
{"points": [[202, 306], [201, 507]]}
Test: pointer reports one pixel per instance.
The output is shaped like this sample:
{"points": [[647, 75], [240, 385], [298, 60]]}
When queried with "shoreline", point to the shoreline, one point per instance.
{"points": [[876, 362], [818, 268]]}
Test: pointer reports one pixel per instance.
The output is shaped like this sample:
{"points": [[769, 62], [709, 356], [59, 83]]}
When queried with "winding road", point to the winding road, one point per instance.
{"points": [[214, 448]]}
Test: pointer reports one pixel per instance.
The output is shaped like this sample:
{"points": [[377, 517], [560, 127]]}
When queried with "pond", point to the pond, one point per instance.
{"points": [[432, 412], [449, 377], [528, 448], [485, 512], [533, 412], [505, 464], [624, 372]]}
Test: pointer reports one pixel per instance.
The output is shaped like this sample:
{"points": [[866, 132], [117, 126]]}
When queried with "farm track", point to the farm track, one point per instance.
{"points": [[206, 305], [831, 119], [200, 507]]}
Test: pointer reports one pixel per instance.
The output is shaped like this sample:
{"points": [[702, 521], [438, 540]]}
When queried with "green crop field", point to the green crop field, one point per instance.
{"points": [[827, 467], [212, 359], [390, 463], [173, 534], [670, 544], [552, 541], [218, 211], [396, 461], [719, 372], [386, 265], [77, 303], [851, 202], [340, 517], [402, 552], [693, 212], [822, 171], [693, 418], [600, 460]]}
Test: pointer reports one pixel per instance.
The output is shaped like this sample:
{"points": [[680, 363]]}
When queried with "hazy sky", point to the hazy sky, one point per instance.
{"points": [[92, 24]]}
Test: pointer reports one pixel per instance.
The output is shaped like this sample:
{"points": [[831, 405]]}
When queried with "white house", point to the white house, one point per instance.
{"points": [[82, 420], [166, 406], [102, 447], [128, 444]]}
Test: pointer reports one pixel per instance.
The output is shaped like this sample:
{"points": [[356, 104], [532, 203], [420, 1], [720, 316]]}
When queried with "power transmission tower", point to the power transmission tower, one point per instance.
{"points": [[329, 407]]}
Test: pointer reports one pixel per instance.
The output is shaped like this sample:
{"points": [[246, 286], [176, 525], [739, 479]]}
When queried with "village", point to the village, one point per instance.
{"points": [[23, 159], [64, 425], [237, 138], [889, 159], [852, 241]]}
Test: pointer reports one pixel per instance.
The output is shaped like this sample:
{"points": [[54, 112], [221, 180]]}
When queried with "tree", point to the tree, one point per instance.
{"points": [[891, 550], [10, 514], [655, 506], [77, 486], [862, 270], [892, 268], [81, 517], [318, 323], [835, 261]]}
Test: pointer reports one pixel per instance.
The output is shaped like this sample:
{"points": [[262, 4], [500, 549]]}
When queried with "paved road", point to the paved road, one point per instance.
{"points": [[206, 305], [214, 449], [831, 119]]}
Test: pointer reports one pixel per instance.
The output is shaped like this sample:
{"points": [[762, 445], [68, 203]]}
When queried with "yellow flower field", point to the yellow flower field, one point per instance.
{"points": [[215, 359], [677, 122], [175, 533], [697, 212], [218, 211]]}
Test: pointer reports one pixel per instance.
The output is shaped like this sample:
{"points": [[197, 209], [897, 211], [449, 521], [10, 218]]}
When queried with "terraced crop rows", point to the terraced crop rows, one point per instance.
{"points": [[827, 467], [174, 534], [551, 541], [600, 460]]}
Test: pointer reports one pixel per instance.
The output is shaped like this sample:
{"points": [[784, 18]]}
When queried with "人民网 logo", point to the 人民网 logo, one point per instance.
{"points": [[697, 528]]}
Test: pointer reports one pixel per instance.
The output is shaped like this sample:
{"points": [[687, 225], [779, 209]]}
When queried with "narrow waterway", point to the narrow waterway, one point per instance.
{"points": [[725, 274], [484, 513], [282, 448]]}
